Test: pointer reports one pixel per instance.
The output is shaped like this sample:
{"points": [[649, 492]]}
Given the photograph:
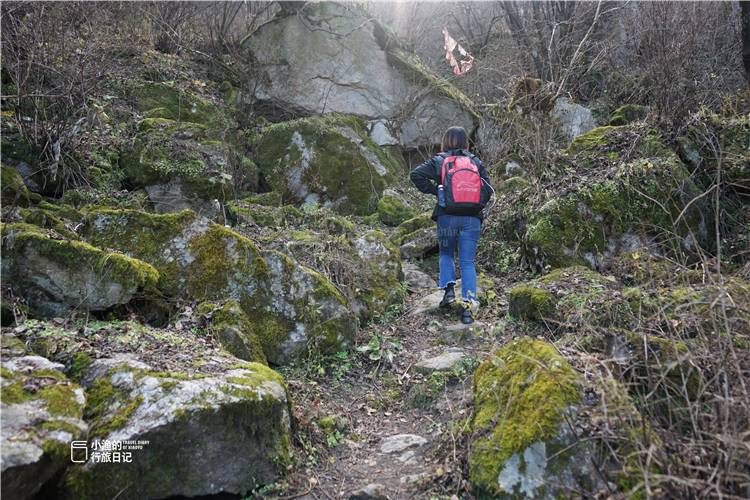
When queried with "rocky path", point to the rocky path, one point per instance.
{"points": [[395, 429]]}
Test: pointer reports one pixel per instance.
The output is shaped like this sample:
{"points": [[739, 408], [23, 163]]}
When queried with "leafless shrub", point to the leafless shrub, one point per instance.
{"points": [[55, 65]]}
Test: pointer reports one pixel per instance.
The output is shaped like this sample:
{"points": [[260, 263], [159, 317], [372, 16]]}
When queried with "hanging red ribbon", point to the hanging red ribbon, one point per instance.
{"points": [[459, 67]]}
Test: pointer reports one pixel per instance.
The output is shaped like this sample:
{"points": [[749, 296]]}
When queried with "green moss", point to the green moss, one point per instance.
{"points": [[514, 184], [234, 331], [644, 196], [628, 113], [243, 212], [101, 399], [59, 397], [14, 191], [174, 103], [61, 400], [392, 211], [411, 226], [78, 366], [219, 254], [592, 139], [141, 235], [12, 393], [338, 225], [530, 303], [520, 396], [269, 199], [47, 219]]}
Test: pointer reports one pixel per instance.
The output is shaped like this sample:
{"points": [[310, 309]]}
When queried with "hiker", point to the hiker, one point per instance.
{"points": [[460, 182]]}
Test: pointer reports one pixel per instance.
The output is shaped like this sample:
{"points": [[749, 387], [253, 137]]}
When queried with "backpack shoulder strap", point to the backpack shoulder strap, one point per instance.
{"points": [[445, 157]]}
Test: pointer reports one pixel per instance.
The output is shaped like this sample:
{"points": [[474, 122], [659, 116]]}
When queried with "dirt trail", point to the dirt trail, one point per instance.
{"points": [[397, 430]]}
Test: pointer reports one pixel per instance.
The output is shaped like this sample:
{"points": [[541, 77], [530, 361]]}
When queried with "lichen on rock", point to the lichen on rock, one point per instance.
{"points": [[42, 413]]}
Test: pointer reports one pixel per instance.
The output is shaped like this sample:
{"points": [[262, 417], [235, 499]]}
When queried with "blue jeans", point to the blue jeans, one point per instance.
{"points": [[464, 230]]}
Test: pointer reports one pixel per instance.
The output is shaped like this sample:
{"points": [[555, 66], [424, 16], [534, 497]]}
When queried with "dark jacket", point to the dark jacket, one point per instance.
{"points": [[427, 177]]}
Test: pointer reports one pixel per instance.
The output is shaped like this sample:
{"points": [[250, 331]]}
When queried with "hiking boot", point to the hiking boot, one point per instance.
{"points": [[449, 297], [471, 308]]}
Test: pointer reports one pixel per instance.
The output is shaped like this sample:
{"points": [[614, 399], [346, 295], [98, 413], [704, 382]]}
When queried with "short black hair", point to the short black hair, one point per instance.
{"points": [[455, 138]]}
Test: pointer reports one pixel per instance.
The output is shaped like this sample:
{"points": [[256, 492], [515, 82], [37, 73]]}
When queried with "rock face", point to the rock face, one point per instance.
{"points": [[326, 160], [42, 413], [328, 57], [521, 447], [56, 276], [292, 308], [574, 118], [227, 432]]}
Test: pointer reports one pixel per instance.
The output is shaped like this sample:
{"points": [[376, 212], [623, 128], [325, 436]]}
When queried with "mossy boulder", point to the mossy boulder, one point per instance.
{"points": [[640, 199], [247, 212], [561, 295], [697, 147], [416, 237], [61, 219], [393, 211], [56, 276], [42, 413], [14, 191], [364, 265], [293, 309], [327, 160], [627, 114], [521, 446], [169, 101], [179, 166], [205, 434], [530, 303], [234, 330], [514, 184]]}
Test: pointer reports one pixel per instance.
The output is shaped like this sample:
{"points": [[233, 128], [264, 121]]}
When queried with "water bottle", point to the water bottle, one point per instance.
{"points": [[441, 196]]}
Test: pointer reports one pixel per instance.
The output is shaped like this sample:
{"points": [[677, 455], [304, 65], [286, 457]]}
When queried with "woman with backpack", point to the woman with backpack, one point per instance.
{"points": [[460, 182]]}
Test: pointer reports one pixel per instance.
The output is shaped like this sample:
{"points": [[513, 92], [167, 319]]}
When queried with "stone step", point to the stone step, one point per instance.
{"points": [[445, 362], [400, 442]]}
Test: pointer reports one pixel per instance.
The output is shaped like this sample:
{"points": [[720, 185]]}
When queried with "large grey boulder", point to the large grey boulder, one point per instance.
{"points": [[224, 432], [42, 412], [325, 57]]}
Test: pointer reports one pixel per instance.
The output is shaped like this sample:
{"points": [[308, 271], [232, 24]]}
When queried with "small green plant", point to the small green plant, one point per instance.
{"points": [[390, 314], [380, 348]]}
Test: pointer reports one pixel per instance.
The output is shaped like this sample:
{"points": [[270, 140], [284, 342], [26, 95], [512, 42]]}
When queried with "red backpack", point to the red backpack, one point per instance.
{"points": [[462, 185]]}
